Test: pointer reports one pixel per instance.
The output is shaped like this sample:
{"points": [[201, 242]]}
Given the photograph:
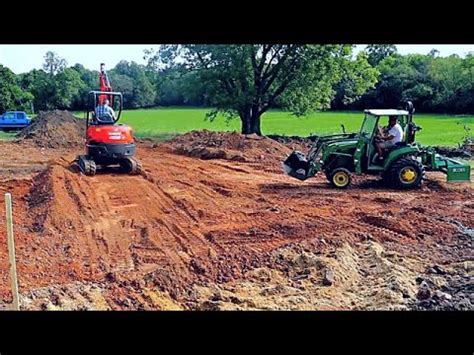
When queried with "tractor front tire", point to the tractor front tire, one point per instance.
{"points": [[406, 173], [339, 177]]}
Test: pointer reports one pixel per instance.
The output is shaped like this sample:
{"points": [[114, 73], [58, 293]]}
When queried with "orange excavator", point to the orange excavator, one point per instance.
{"points": [[108, 143]]}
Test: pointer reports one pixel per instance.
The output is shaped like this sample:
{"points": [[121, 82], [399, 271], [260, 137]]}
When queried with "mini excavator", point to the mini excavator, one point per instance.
{"points": [[108, 143]]}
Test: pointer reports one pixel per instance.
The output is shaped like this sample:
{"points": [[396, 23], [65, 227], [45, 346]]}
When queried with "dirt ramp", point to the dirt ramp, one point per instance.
{"points": [[54, 129], [231, 146]]}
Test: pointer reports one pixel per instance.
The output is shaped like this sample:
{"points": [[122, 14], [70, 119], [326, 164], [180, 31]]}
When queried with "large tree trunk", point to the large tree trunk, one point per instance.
{"points": [[255, 124], [246, 123], [251, 122]]}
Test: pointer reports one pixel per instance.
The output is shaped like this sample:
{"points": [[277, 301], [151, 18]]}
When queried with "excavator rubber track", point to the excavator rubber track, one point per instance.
{"points": [[131, 166], [87, 166]]}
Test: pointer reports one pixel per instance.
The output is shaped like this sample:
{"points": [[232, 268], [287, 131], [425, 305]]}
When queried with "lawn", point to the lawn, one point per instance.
{"points": [[162, 122], [165, 122], [6, 136]]}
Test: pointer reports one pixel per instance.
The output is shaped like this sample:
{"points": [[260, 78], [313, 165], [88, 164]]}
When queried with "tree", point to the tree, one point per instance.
{"points": [[433, 83], [123, 84], [12, 97], [52, 92], [248, 80], [377, 52], [90, 79], [357, 75], [177, 89], [53, 64], [142, 92], [40, 84], [67, 85]]}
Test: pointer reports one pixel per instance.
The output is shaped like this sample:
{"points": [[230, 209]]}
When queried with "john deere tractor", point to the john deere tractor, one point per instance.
{"points": [[402, 166]]}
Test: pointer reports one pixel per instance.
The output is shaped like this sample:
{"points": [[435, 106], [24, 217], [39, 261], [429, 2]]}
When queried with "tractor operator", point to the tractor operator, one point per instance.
{"points": [[104, 113], [393, 134]]}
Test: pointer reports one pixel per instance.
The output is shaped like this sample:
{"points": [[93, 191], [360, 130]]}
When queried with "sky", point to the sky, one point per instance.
{"points": [[23, 58]]}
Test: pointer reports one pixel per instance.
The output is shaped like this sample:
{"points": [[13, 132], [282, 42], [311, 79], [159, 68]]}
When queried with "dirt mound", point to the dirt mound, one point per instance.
{"points": [[303, 144], [54, 129], [229, 146]]}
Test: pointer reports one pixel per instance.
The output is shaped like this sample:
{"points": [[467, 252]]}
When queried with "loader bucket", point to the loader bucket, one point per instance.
{"points": [[296, 165]]}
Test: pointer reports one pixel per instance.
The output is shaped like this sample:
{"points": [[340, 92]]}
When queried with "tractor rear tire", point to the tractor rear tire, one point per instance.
{"points": [[385, 175], [87, 166], [406, 173], [339, 178]]}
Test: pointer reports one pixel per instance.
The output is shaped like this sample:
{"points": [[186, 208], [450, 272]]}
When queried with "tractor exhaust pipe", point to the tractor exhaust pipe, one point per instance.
{"points": [[296, 165]]}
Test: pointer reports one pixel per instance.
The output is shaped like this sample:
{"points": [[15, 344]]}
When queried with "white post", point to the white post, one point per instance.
{"points": [[11, 251]]}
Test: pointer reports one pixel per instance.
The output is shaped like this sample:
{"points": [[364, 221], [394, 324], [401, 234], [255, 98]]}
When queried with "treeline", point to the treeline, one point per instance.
{"points": [[433, 83]]}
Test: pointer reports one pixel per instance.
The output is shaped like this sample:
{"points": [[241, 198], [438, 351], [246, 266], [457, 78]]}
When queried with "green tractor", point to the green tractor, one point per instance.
{"points": [[403, 166]]}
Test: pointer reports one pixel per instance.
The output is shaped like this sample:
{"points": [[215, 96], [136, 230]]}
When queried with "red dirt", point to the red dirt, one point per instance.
{"points": [[54, 129], [263, 151], [189, 221]]}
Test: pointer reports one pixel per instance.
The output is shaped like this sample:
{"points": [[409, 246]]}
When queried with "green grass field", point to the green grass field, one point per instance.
{"points": [[6, 136], [163, 123]]}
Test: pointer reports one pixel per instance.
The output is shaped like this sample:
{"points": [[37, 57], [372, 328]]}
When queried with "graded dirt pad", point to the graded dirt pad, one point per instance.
{"points": [[194, 233], [54, 129], [233, 146]]}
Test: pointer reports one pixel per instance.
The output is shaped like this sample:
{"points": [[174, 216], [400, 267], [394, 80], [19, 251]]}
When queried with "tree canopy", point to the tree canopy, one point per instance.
{"points": [[245, 81], [248, 80], [11, 94]]}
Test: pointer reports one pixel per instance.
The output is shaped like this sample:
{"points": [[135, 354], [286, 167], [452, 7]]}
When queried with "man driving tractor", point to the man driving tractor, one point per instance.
{"points": [[391, 135]]}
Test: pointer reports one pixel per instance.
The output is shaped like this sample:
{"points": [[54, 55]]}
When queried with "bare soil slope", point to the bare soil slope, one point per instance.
{"points": [[226, 233]]}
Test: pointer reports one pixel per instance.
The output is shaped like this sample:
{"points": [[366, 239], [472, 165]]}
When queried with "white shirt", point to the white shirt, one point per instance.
{"points": [[397, 133]]}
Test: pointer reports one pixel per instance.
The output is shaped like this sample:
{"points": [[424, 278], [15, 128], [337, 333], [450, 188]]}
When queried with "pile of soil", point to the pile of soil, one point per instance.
{"points": [[303, 144], [54, 129], [466, 150], [229, 146]]}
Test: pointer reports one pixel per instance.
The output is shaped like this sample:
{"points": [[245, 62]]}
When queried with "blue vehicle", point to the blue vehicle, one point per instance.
{"points": [[14, 120]]}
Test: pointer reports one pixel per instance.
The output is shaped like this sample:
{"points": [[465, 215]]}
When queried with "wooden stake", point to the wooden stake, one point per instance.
{"points": [[11, 251]]}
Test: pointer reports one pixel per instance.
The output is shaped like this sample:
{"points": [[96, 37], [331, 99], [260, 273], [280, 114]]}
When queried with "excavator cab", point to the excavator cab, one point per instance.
{"points": [[97, 99]]}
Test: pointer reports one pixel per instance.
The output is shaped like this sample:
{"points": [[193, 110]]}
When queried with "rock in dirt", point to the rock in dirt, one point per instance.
{"points": [[424, 292], [439, 270], [328, 279], [464, 305], [54, 129], [442, 295], [419, 280]]}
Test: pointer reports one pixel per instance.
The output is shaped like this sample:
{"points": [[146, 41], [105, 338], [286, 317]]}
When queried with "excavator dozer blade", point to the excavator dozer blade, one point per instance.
{"points": [[296, 165]]}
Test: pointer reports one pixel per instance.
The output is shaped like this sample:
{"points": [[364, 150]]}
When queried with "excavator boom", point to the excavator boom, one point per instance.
{"points": [[104, 85]]}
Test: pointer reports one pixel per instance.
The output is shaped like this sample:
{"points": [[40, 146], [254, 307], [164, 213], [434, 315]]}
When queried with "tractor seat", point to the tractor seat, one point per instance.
{"points": [[387, 151], [396, 146]]}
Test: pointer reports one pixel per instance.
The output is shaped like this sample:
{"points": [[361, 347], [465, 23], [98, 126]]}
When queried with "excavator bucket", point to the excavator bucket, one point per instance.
{"points": [[296, 165]]}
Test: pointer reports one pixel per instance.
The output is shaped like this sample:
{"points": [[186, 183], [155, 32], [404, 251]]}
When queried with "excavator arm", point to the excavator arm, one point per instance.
{"points": [[104, 85]]}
